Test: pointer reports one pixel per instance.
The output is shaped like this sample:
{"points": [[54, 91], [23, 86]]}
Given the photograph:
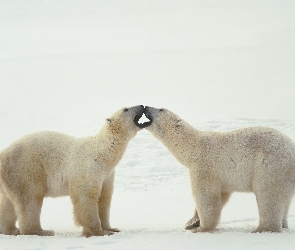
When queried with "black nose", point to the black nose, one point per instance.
{"points": [[141, 106]]}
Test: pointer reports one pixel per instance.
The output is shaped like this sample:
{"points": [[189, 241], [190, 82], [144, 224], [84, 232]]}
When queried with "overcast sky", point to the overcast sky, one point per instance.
{"points": [[197, 58]]}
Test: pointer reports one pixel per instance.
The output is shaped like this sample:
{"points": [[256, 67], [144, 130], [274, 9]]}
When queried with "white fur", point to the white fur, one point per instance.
{"points": [[254, 159], [53, 164]]}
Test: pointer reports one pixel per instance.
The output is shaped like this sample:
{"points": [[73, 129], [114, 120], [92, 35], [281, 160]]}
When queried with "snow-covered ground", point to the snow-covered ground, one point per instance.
{"points": [[152, 202], [66, 65]]}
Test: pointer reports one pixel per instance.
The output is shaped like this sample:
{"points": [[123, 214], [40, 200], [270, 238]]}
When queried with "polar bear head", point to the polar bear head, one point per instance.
{"points": [[162, 122], [126, 121]]}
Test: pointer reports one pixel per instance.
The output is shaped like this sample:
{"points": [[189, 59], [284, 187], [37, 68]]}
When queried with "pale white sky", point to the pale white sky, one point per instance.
{"points": [[197, 58]]}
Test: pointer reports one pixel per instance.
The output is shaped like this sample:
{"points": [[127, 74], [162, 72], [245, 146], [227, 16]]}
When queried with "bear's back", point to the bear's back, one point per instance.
{"points": [[253, 152], [39, 155], [40, 144]]}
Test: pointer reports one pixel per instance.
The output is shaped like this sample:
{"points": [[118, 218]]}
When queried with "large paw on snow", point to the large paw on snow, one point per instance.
{"points": [[115, 230], [13, 231], [192, 223], [88, 233]]}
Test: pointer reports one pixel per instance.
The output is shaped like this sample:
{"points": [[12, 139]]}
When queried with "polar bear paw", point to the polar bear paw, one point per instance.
{"points": [[115, 230], [88, 232], [273, 229], [39, 232], [14, 231], [202, 230], [46, 233], [192, 223]]}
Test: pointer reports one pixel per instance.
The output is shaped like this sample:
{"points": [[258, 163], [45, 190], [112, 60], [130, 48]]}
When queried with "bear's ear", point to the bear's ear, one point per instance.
{"points": [[108, 120]]}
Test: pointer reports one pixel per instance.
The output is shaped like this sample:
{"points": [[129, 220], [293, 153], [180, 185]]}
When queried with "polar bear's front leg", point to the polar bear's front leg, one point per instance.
{"points": [[195, 221], [104, 203], [84, 200], [208, 199], [209, 207]]}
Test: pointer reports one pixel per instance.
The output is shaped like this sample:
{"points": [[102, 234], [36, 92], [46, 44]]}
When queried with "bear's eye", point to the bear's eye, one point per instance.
{"points": [[161, 110], [126, 109]]}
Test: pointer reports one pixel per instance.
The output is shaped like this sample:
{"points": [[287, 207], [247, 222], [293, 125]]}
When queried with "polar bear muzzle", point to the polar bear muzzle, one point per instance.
{"points": [[151, 114], [141, 125], [138, 116]]}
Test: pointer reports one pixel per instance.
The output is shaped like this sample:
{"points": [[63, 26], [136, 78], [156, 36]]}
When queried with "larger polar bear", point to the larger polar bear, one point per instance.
{"points": [[52, 164], [254, 159]]}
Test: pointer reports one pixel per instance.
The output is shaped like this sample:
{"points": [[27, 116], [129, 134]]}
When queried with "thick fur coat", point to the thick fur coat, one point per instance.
{"points": [[50, 164], [255, 159]]}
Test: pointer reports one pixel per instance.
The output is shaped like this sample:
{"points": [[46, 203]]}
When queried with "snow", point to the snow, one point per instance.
{"points": [[67, 65], [152, 202]]}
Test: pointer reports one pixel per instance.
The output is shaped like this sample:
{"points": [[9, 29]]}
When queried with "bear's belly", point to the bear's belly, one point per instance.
{"points": [[237, 180], [56, 185], [241, 185]]}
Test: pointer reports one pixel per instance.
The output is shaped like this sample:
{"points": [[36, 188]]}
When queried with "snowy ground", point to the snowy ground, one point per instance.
{"points": [[66, 65], [152, 202]]}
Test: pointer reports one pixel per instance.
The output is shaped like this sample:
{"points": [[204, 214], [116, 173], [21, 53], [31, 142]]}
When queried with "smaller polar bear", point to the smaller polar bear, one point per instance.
{"points": [[254, 159], [50, 164]]}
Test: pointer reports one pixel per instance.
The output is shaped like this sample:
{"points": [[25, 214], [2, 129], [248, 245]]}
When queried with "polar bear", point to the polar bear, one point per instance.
{"points": [[255, 159], [51, 164]]}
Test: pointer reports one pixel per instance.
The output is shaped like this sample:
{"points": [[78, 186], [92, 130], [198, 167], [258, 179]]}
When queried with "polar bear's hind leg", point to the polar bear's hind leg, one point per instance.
{"points": [[286, 213], [271, 213], [7, 217], [28, 211]]}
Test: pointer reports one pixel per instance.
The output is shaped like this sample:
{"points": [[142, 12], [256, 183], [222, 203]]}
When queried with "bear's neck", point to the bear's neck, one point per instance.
{"points": [[182, 143], [109, 148]]}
